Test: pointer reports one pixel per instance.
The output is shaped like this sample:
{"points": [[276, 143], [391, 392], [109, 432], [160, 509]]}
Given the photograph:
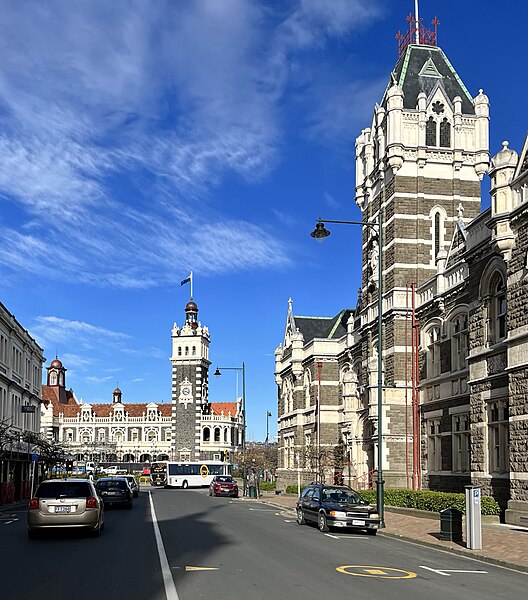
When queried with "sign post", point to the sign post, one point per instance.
{"points": [[473, 519]]}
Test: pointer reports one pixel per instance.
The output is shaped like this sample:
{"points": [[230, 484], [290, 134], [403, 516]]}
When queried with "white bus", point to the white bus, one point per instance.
{"points": [[194, 474]]}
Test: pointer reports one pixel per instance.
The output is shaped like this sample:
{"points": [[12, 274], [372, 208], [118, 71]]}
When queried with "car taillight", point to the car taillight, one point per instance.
{"points": [[33, 503], [91, 502]]}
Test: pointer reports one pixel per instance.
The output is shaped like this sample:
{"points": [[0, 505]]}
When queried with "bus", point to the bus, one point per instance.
{"points": [[194, 474], [158, 473]]}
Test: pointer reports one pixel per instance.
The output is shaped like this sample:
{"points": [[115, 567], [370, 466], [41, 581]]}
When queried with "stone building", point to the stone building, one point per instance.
{"points": [[189, 428], [421, 163], [21, 360]]}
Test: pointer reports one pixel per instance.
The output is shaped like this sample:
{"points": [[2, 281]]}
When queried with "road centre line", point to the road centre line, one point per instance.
{"points": [[331, 536], [168, 581]]}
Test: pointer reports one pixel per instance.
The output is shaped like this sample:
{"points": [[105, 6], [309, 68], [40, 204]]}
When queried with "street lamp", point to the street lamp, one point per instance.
{"points": [[320, 233], [268, 415], [241, 369]]}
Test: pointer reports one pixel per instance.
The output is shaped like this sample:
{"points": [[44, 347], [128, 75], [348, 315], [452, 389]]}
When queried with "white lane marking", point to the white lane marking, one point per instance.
{"points": [[168, 581], [446, 572], [7, 522], [332, 536], [289, 520], [263, 509]]}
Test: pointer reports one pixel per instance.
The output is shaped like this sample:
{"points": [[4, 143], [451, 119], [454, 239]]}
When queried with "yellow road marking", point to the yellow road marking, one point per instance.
{"points": [[371, 571], [201, 568]]}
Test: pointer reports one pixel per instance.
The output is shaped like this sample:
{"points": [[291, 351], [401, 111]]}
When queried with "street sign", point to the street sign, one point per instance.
{"points": [[27, 408], [34, 457]]}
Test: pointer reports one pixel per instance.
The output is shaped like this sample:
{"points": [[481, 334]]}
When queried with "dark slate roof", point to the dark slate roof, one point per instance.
{"points": [[323, 327], [407, 75]]}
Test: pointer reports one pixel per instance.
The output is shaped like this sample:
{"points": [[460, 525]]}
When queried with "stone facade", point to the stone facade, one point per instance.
{"points": [[421, 163]]}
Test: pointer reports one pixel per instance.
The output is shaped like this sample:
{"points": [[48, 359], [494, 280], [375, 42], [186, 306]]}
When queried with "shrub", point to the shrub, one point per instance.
{"points": [[267, 486], [431, 501], [293, 489]]}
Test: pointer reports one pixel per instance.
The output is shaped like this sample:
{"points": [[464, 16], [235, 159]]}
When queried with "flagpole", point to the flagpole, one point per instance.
{"points": [[191, 285]]}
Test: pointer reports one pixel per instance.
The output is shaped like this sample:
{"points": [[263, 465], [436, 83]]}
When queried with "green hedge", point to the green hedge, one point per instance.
{"points": [[431, 501], [267, 486], [292, 489]]}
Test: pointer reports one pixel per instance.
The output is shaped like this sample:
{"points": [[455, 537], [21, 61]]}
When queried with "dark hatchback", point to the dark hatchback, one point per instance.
{"points": [[114, 490], [223, 485], [336, 506]]}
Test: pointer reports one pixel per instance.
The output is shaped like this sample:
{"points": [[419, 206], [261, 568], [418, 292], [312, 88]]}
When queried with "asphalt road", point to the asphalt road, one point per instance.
{"points": [[230, 549]]}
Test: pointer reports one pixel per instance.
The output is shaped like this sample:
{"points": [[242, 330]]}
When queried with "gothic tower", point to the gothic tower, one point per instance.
{"points": [[190, 372], [421, 163]]}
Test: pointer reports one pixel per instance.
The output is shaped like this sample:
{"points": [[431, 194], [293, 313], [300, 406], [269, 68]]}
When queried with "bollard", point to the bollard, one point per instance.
{"points": [[451, 525]]}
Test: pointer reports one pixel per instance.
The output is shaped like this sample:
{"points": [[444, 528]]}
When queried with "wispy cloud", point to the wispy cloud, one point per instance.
{"points": [[113, 139], [330, 200]]}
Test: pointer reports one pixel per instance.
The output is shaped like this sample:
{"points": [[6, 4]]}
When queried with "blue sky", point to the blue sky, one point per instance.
{"points": [[140, 140]]}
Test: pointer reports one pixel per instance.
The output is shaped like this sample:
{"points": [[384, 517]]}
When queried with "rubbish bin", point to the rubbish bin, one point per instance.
{"points": [[252, 491], [451, 525]]}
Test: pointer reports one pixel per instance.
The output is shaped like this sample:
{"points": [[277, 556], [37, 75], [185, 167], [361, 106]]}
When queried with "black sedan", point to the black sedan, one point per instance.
{"points": [[114, 490], [336, 506]]}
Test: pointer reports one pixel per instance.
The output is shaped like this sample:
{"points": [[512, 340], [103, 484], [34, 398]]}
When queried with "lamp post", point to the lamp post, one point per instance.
{"points": [[241, 369], [268, 415], [320, 233]]}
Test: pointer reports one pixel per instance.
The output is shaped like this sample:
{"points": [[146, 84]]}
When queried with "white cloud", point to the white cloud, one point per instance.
{"points": [[119, 119]]}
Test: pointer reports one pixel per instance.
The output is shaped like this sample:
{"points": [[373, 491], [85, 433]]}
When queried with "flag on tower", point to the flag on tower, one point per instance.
{"points": [[187, 279]]}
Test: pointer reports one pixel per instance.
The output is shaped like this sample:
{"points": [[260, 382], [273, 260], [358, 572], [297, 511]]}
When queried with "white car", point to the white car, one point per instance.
{"points": [[114, 470]]}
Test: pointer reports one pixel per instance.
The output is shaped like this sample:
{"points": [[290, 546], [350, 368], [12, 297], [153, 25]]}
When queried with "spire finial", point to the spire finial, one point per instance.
{"points": [[416, 22]]}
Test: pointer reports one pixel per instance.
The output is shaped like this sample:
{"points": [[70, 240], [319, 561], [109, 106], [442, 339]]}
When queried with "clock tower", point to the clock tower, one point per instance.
{"points": [[190, 372]]}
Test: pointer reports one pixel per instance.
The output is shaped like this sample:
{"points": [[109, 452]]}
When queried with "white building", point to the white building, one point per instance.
{"points": [[21, 362]]}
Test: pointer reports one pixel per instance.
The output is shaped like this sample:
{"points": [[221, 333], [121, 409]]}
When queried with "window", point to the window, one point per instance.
{"points": [[433, 352], [206, 434], [498, 434], [179, 351], [459, 337], [194, 350], [436, 235], [434, 450], [461, 443], [430, 132], [217, 434], [498, 310], [307, 385], [186, 350], [445, 133]]}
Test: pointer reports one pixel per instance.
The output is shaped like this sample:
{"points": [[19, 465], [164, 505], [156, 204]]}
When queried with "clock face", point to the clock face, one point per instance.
{"points": [[186, 391]]}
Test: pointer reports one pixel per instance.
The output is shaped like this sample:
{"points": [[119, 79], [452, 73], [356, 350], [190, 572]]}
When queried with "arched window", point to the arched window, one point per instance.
{"points": [[445, 133], [307, 386], [433, 352], [206, 434], [430, 132], [217, 434], [498, 309], [436, 235], [53, 378], [225, 436], [179, 351], [459, 342], [186, 350], [194, 350]]}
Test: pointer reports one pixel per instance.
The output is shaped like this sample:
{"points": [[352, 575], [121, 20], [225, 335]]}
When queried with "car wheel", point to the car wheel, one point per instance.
{"points": [[300, 517], [210, 492], [372, 531], [185, 485], [322, 523], [96, 532]]}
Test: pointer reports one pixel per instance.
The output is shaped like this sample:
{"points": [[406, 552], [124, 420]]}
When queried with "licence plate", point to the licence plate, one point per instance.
{"points": [[357, 522], [62, 509]]}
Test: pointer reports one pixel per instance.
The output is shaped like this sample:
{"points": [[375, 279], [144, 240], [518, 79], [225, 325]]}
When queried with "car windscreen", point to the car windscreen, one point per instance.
{"points": [[64, 489], [224, 479], [341, 496], [111, 484]]}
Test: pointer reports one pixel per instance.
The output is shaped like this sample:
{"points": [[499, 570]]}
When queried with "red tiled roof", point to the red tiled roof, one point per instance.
{"points": [[51, 394], [226, 407]]}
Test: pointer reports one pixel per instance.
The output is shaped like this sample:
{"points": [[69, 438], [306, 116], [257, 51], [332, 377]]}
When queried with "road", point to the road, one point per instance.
{"points": [[231, 549]]}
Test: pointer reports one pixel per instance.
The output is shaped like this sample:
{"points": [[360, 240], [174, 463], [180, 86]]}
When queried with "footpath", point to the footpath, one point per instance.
{"points": [[504, 545]]}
